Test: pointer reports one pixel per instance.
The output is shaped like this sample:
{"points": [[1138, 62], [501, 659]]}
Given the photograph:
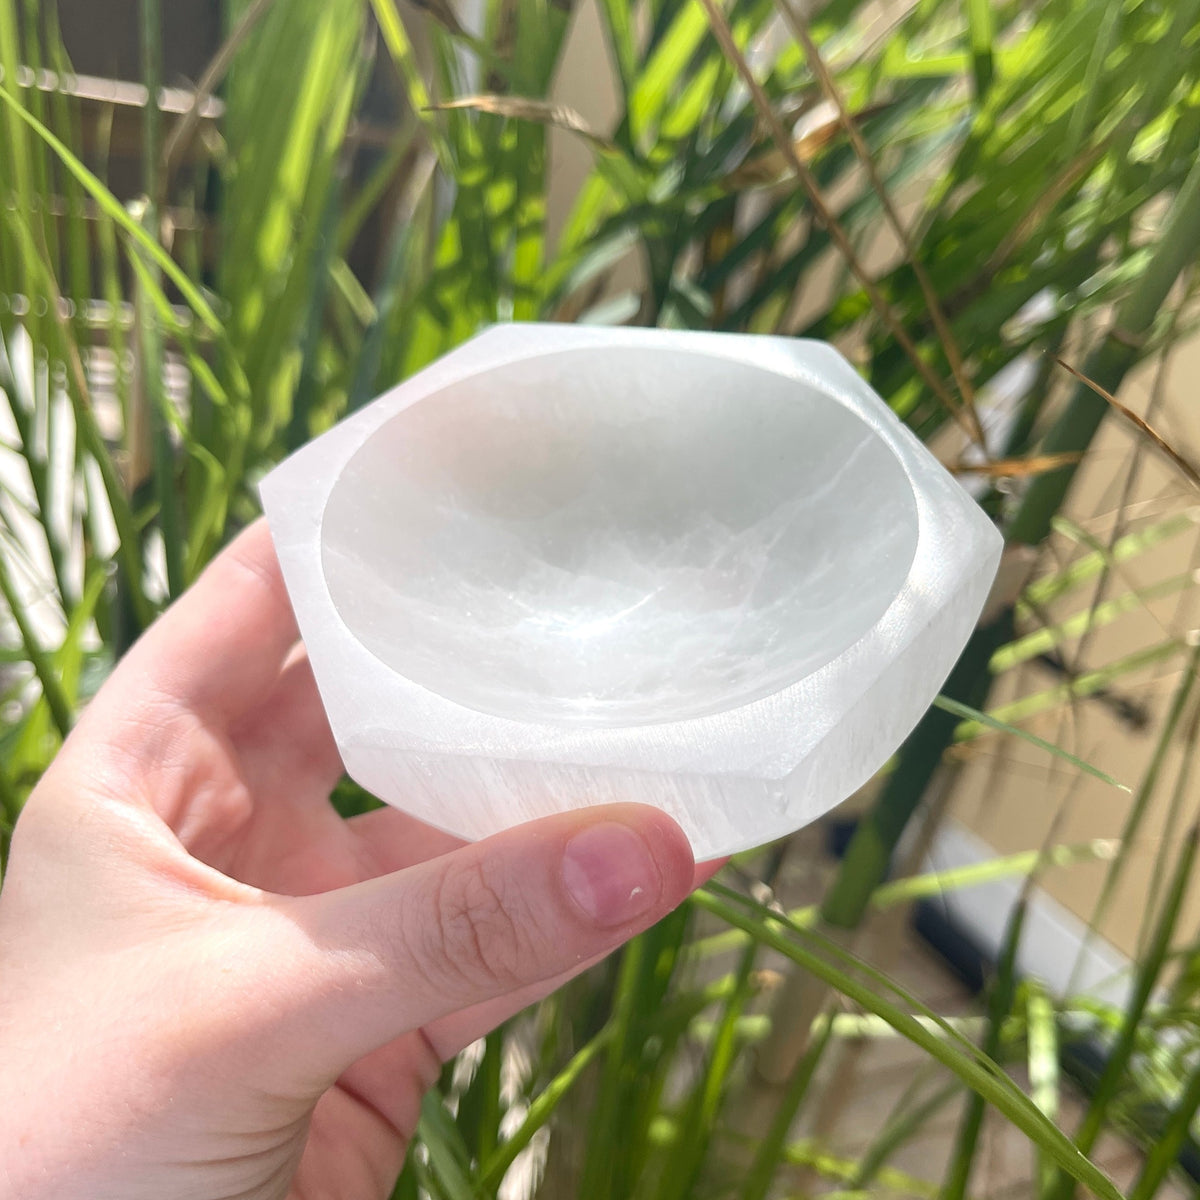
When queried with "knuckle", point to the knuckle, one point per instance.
{"points": [[479, 938]]}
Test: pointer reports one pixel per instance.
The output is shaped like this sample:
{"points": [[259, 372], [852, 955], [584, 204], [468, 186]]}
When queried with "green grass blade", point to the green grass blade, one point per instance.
{"points": [[396, 39], [1125, 549], [113, 209], [770, 1150], [92, 443], [618, 17], [1122, 1050], [683, 1172], [972, 1069], [974, 715], [982, 32], [17, 159], [662, 71], [449, 1160], [541, 1110], [1140, 807], [151, 56], [1042, 1058], [600, 1171], [910, 1116], [839, 1169], [1000, 1003], [934, 883], [922, 1013], [51, 685], [1164, 1153], [386, 307], [1088, 684], [480, 1106], [150, 357], [937, 883], [1084, 112], [1181, 794], [1051, 637]]}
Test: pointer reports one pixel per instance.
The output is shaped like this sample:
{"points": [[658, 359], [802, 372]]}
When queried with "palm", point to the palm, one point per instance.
{"points": [[214, 723], [262, 816]]}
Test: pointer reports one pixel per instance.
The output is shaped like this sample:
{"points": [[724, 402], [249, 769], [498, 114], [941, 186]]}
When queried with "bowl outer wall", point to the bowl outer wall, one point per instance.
{"points": [[734, 779]]}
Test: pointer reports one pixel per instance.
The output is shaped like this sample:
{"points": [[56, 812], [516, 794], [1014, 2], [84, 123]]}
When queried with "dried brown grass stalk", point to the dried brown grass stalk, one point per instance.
{"points": [[1140, 423], [848, 122], [522, 108], [724, 35], [1017, 468]]}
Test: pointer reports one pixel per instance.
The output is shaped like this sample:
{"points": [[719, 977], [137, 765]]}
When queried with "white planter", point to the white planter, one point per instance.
{"points": [[566, 565]]}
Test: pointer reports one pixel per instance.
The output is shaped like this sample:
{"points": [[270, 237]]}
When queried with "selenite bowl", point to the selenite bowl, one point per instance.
{"points": [[564, 566]]}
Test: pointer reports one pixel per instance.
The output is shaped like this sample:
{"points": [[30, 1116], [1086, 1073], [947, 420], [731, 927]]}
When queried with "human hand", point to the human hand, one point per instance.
{"points": [[213, 986]]}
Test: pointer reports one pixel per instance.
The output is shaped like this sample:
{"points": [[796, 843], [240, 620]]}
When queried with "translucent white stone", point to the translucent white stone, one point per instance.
{"points": [[564, 566]]}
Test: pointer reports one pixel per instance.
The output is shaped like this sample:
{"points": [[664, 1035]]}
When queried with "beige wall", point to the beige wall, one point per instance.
{"points": [[1010, 793], [586, 83]]}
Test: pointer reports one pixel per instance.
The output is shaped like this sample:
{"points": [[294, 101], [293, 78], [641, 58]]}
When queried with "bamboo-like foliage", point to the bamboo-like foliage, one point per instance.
{"points": [[295, 246]]}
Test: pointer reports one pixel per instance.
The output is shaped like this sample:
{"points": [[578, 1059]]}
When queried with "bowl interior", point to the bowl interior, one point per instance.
{"points": [[613, 537]]}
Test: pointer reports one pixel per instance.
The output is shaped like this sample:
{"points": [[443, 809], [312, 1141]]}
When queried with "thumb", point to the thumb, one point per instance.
{"points": [[493, 918]]}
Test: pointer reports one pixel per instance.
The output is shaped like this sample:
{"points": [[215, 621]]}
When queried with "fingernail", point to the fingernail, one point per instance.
{"points": [[611, 874]]}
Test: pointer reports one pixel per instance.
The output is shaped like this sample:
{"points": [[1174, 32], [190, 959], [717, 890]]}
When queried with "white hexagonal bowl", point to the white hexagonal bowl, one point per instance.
{"points": [[565, 565]]}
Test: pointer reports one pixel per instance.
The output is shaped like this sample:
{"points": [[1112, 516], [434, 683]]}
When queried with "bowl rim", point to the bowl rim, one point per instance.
{"points": [[611, 715], [763, 738]]}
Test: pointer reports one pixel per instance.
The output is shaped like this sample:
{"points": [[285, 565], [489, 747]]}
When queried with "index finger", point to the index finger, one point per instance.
{"points": [[219, 649]]}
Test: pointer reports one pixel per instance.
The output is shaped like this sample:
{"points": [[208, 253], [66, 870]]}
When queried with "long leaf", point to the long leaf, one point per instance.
{"points": [[972, 1069], [967, 713], [113, 209], [51, 685]]}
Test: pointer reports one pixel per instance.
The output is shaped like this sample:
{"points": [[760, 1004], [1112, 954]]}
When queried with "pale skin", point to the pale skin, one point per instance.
{"points": [[215, 987]]}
